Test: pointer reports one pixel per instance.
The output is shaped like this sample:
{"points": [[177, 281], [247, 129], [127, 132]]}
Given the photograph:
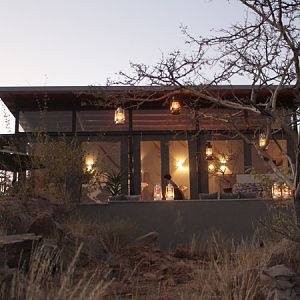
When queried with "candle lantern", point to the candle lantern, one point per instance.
{"points": [[286, 192], [120, 116], [208, 151], [223, 165], [175, 107], [169, 192], [262, 141], [276, 190], [157, 192]]}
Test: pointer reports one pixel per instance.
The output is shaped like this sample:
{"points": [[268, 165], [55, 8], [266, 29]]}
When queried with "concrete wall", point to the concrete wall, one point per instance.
{"points": [[177, 221]]}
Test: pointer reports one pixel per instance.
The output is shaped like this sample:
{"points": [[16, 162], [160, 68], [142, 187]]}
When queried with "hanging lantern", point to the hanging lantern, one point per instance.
{"points": [[120, 116], [169, 192], [175, 107], [276, 190], [223, 166], [286, 192], [208, 151], [262, 141], [157, 192]]}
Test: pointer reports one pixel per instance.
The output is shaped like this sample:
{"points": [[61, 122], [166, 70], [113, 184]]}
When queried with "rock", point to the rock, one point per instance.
{"points": [[45, 226], [92, 250], [282, 283], [145, 240]]}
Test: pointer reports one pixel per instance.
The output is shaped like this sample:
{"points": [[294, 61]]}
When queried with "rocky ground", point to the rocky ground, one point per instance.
{"points": [[96, 268]]}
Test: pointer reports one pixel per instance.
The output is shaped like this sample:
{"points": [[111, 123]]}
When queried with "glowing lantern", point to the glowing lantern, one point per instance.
{"points": [[170, 192], [262, 142], [211, 167], [223, 165], [120, 116], [286, 192], [175, 107], [276, 190], [157, 192], [89, 165], [208, 151]]}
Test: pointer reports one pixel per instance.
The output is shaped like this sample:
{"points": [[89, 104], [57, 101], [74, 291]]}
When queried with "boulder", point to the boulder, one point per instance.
{"points": [[45, 226], [282, 283]]}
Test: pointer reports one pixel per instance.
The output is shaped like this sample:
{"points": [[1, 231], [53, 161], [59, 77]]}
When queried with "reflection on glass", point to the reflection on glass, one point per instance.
{"points": [[100, 158], [179, 165], [150, 168], [49, 121], [228, 160]]}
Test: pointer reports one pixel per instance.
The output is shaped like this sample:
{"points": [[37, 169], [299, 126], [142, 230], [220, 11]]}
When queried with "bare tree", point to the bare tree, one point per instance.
{"points": [[265, 49]]}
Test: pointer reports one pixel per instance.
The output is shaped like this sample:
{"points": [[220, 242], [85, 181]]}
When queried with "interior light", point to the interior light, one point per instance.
{"points": [[180, 166], [157, 192], [276, 190], [286, 192], [223, 166]]}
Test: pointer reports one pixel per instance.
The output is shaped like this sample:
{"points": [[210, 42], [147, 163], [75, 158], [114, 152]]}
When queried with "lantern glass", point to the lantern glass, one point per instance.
{"points": [[170, 192], [276, 190], [119, 116], [262, 140], [208, 151], [175, 107], [286, 191], [157, 192], [223, 165]]}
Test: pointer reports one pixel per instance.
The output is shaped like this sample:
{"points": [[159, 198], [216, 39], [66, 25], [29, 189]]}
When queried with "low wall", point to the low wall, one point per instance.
{"points": [[178, 221]]}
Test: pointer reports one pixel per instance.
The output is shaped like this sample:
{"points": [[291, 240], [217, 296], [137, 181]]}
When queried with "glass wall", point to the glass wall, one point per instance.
{"points": [[179, 165], [99, 120], [102, 164], [227, 162], [262, 167], [50, 121], [161, 120], [150, 168]]}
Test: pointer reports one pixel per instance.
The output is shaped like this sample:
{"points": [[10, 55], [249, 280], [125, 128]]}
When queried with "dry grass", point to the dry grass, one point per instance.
{"points": [[113, 234], [44, 280]]}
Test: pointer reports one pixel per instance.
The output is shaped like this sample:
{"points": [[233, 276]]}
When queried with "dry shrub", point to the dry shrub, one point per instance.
{"points": [[113, 233], [44, 280], [232, 271]]}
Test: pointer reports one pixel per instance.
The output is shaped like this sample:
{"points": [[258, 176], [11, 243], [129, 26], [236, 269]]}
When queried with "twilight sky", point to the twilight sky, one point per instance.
{"points": [[83, 42]]}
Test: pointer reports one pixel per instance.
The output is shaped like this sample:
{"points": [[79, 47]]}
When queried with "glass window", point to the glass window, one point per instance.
{"points": [[150, 168], [100, 120], [101, 159], [227, 162], [179, 165], [262, 167], [50, 121]]}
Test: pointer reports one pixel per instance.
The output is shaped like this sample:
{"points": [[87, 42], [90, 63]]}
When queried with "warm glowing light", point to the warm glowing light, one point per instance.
{"points": [[170, 192], [175, 107], [208, 151], [157, 192], [180, 166], [89, 165], [262, 140], [211, 167], [276, 191], [223, 166], [286, 192], [119, 116]]}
